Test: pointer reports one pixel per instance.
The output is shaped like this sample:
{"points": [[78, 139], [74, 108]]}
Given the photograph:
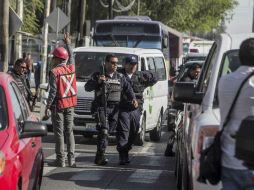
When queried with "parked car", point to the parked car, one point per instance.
{"points": [[90, 59], [201, 116], [21, 156]]}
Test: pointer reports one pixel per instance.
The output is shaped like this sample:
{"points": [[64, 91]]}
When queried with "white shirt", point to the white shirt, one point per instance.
{"points": [[228, 86], [130, 75]]}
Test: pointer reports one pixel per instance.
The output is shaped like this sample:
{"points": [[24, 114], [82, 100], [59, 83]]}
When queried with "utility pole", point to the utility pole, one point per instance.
{"points": [[18, 39], [45, 43], [110, 9], [4, 34], [69, 15], [138, 7], [82, 18]]}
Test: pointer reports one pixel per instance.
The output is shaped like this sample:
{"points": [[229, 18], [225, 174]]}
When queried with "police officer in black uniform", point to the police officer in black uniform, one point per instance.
{"points": [[129, 116], [109, 87]]}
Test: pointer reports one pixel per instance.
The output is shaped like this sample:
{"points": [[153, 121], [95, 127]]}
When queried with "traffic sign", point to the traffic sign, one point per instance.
{"points": [[14, 22], [57, 20]]}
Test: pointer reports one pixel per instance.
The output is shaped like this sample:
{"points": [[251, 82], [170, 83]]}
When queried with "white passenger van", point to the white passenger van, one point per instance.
{"points": [[90, 59]]}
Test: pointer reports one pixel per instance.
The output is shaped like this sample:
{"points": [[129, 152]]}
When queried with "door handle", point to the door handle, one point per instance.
{"points": [[33, 144]]}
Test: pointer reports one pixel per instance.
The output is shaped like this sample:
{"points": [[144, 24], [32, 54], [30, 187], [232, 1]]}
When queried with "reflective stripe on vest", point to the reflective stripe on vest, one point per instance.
{"points": [[66, 86]]}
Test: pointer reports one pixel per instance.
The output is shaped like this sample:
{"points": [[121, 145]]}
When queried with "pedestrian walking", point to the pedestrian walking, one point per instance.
{"points": [[18, 72], [109, 87], [129, 116], [61, 101], [235, 175]]}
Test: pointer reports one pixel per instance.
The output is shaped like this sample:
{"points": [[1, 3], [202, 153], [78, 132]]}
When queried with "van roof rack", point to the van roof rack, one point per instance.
{"points": [[133, 18]]}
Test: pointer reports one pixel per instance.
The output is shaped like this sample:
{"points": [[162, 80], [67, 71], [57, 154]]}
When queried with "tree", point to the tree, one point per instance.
{"points": [[33, 10], [4, 33], [187, 15]]}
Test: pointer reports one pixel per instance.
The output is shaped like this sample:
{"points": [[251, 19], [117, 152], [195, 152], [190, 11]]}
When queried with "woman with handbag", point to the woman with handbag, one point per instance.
{"points": [[234, 174]]}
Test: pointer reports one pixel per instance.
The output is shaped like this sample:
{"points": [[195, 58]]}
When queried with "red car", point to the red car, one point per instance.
{"points": [[21, 157]]}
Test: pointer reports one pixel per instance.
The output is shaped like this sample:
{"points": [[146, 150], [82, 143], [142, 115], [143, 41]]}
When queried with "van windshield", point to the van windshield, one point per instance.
{"points": [[87, 63]]}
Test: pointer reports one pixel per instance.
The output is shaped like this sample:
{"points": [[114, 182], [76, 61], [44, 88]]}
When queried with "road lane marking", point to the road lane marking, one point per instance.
{"points": [[142, 152]]}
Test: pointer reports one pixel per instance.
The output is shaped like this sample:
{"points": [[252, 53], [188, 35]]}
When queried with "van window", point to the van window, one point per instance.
{"points": [[230, 62], [87, 63], [160, 68], [150, 64]]}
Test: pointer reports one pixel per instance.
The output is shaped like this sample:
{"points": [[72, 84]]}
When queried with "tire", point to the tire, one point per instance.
{"points": [[140, 138], [155, 134]]}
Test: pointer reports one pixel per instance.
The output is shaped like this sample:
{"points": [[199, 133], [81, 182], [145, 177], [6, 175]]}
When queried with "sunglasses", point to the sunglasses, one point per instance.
{"points": [[114, 62]]}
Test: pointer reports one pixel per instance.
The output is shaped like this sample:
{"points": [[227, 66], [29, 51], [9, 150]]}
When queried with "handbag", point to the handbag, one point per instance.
{"points": [[244, 149], [210, 158]]}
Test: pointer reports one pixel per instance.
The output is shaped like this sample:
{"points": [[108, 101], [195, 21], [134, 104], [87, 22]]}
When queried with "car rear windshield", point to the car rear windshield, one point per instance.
{"points": [[89, 62], [3, 110]]}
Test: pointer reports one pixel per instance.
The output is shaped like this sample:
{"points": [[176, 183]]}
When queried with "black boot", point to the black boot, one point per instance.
{"points": [[121, 158], [126, 157], [100, 159]]}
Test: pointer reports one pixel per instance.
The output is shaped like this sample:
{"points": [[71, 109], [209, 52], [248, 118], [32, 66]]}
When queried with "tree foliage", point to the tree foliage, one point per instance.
{"points": [[187, 15], [33, 9]]}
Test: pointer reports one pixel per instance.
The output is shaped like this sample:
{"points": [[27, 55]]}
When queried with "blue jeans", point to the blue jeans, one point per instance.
{"points": [[233, 179]]}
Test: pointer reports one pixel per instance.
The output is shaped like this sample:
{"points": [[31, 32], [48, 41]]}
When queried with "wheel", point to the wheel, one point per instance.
{"points": [[155, 134], [140, 138], [169, 149]]}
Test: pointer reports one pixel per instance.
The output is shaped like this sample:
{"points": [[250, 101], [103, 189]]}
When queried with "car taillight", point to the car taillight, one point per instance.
{"points": [[193, 50], [206, 137], [2, 162]]}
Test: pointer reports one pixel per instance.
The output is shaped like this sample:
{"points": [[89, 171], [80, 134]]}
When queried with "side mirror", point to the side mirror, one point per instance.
{"points": [[185, 92], [33, 129], [165, 42]]}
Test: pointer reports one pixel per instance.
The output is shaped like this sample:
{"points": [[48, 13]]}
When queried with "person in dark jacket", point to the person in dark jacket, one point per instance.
{"points": [[109, 87], [18, 72], [129, 116], [193, 73]]}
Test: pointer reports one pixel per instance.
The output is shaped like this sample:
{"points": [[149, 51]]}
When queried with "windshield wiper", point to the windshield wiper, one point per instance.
{"points": [[138, 42], [114, 40]]}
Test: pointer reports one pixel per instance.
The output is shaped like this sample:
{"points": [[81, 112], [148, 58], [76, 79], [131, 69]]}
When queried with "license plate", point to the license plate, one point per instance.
{"points": [[90, 125]]}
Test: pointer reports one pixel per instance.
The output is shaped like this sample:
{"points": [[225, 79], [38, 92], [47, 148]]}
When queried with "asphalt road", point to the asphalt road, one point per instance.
{"points": [[149, 168]]}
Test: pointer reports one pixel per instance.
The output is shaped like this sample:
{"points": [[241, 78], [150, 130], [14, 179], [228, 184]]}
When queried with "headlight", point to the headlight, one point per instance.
{"points": [[2, 163]]}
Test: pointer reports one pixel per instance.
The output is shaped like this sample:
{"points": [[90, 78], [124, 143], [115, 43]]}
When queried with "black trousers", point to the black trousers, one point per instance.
{"points": [[106, 124], [127, 128]]}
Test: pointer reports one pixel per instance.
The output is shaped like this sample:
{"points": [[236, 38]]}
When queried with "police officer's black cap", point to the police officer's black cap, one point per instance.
{"points": [[131, 60]]}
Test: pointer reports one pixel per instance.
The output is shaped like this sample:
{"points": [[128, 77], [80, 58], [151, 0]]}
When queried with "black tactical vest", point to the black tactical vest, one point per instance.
{"points": [[113, 89]]}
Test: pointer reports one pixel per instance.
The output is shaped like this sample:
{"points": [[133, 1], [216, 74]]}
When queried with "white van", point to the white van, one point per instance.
{"points": [[89, 60]]}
